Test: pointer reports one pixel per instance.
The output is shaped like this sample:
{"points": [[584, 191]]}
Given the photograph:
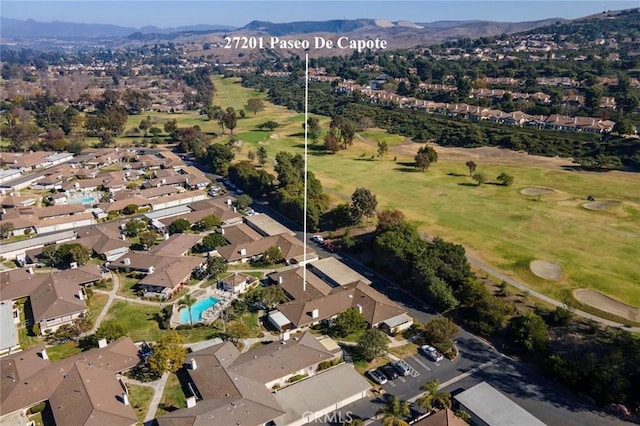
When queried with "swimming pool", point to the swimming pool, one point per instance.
{"points": [[196, 310], [88, 199]]}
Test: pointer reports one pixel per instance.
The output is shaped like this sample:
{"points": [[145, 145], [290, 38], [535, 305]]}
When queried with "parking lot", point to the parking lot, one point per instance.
{"points": [[422, 371]]}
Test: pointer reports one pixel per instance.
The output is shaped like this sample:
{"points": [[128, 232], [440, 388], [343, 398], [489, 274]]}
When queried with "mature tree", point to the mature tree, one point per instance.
{"points": [[230, 119], [251, 156], [313, 129], [208, 222], [372, 343], [425, 156], [389, 219], [480, 178], [179, 226], [343, 130], [348, 322], [623, 127], [147, 238], [505, 179], [243, 202], [273, 295], [145, 124], [219, 156], [254, 105], [383, 148], [262, 155], [130, 209], [472, 167], [168, 353], [272, 256], [6, 228], [269, 125], [213, 241], [394, 412], [171, 127], [529, 331], [216, 265], [331, 142], [134, 227], [110, 330], [187, 301], [441, 294], [70, 253], [434, 398], [237, 330], [440, 329], [363, 204]]}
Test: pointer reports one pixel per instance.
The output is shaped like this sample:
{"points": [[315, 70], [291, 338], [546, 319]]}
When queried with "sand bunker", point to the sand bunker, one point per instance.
{"points": [[545, 269], [537, 191], [607, 304], [601, 205]]}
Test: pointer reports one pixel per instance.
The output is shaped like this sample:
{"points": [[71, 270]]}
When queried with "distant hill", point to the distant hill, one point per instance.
{"points": [[306, 27], [30, 29]]}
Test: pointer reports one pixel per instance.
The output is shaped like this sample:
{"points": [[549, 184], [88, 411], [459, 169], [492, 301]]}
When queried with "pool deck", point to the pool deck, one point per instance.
{"points": [[208, 315]]}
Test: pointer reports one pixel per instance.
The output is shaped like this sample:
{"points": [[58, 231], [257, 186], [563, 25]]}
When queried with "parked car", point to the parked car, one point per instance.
{"points": [[377, 376], [389, 371], [431, 353], [318, 239], [402, 367]]}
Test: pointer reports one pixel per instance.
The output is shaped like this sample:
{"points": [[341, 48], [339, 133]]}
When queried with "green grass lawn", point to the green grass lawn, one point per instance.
{"points": [[140, 398], [96, 304], [126, 285], [141, 322], [496, 224], [63, 350], [173, 397]]}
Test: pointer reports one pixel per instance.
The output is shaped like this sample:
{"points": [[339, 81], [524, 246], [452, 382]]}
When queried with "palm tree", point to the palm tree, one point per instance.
{"points": [[187, 301], [394, 412], [434, 397]]}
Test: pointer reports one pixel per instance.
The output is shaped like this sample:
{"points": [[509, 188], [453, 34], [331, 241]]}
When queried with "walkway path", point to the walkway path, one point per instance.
{"points": [[158, 390], [112, 294]]}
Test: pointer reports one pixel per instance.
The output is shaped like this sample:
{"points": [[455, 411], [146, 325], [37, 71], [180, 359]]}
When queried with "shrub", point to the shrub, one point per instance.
{"points": [[38, 408]]}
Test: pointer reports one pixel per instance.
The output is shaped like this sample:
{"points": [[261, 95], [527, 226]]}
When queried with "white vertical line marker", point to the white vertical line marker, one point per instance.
{"points": [[306, 131]]}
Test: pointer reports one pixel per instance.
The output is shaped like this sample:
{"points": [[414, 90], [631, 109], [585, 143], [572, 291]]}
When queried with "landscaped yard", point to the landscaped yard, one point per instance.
{"points": [[173, 397], [142, 323], [126, 285], [96, 304], [140, 398]]}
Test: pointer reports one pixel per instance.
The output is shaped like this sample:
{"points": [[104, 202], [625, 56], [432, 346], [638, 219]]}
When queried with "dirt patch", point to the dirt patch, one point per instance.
{"points": [[537, 191], [546, 270], [607, 304], [601, 205]]}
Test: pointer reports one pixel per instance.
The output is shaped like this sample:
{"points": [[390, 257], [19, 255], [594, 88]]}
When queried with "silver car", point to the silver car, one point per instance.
{"points": [[377, 376]]}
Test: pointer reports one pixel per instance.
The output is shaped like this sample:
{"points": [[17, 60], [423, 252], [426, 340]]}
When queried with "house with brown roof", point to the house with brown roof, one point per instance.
{"points": [[291, 248], [106, 241], [164, 275], [221, 207], [234, 388], [80, 390], [177, 245]]}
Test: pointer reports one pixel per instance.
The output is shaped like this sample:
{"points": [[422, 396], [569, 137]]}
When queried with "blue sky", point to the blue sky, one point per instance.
{"points": [[138, 13]]}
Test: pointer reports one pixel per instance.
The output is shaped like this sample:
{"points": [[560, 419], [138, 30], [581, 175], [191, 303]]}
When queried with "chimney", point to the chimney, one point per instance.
{"points": [[166, 236], [102, 343], [44, 353], [126, 261], [194, 365], [229, 202], [125, 398], [73, 265], [279, 279], [191, 402], [359, 306], [30, 270], [243, 252], [221, 230], [124, 237], [152, 269], [315, 313], [80, 294]]}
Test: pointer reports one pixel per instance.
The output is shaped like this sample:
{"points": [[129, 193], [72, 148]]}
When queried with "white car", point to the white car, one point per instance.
{"points": [[431, 353], [377, 376], [317, 239]]}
